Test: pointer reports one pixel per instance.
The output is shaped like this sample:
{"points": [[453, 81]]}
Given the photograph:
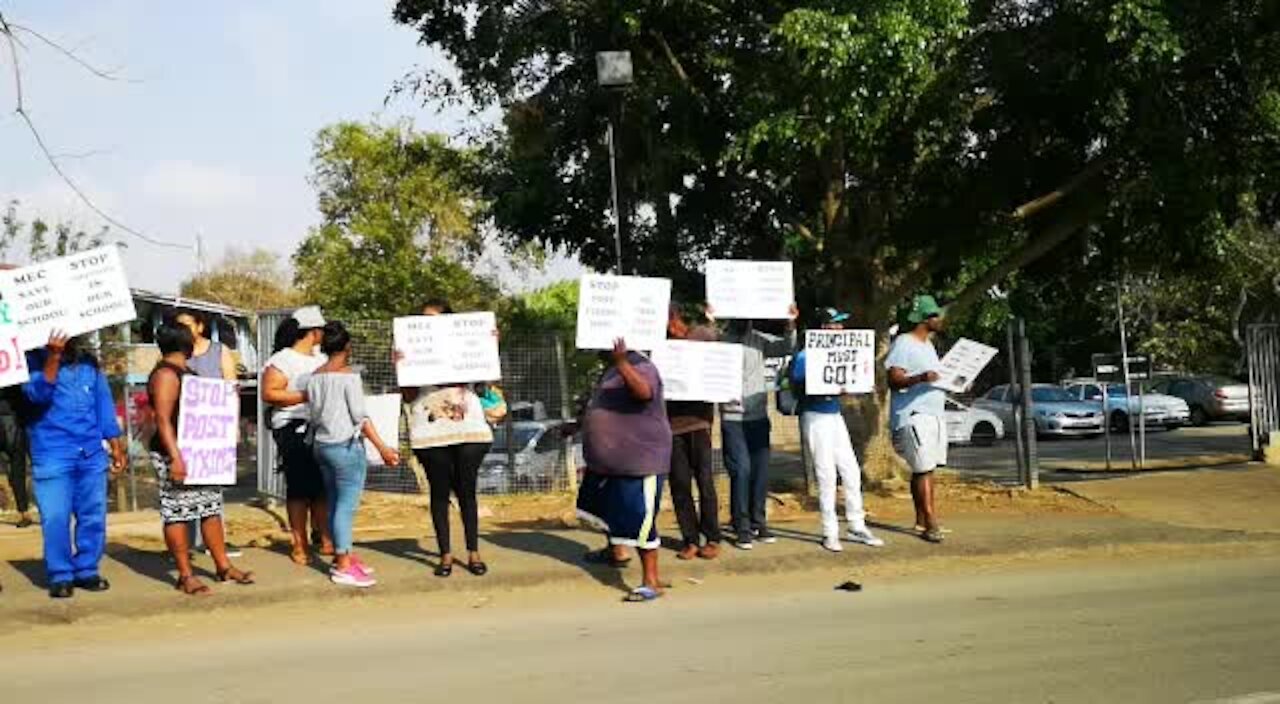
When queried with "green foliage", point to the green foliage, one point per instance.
{"points": [[397, 224], [251, 281], [554, 308], [43, 241]]}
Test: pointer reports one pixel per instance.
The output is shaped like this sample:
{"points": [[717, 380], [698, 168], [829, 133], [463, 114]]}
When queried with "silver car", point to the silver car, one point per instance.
{"points": [[1210, 397], [1160, 410], [537, 450], [1056, 413]]}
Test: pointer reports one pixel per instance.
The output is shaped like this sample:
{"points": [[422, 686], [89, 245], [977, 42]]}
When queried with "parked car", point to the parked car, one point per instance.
{"points": [[1160, 410], [972, 426], [1209, 397], [536, 447], [1055, 412]]}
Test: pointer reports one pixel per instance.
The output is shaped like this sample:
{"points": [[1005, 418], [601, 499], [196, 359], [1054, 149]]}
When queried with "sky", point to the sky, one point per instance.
{"points": [[210, 134]]}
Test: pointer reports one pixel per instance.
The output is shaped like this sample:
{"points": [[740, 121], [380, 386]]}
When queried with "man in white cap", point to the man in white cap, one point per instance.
{"points": [[918, 408]]}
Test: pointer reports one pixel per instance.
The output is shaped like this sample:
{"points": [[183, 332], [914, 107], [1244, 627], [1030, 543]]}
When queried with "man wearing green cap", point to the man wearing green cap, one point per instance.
{"points": [[918, 409]]}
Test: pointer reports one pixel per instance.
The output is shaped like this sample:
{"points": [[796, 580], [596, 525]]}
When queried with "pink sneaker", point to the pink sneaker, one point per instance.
{"points": [[353, 576], [355, 560]]}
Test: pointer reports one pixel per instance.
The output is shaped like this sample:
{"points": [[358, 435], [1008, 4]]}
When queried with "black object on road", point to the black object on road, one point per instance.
{"points": [[849, 587]]}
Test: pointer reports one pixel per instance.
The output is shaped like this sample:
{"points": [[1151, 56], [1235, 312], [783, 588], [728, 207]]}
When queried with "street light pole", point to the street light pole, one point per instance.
{"points": [[614, 73]]}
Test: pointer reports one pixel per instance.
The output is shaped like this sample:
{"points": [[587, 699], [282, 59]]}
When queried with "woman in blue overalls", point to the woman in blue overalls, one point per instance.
{"points": [[71, 414]]}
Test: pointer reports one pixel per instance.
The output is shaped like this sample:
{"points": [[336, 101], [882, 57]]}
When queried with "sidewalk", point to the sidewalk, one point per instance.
{"points": [[537, 552]]}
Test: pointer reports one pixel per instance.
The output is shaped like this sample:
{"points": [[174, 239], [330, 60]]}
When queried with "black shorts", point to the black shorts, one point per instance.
{"points": [[302, 478]]}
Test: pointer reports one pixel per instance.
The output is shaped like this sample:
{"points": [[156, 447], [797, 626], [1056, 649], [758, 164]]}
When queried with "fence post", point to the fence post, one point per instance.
{"points": [[1032, 479], [1014, 383], [566, 414]]}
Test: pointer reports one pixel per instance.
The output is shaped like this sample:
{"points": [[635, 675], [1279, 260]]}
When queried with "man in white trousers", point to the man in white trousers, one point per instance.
{"points": [[918, 410], [826, 438]]}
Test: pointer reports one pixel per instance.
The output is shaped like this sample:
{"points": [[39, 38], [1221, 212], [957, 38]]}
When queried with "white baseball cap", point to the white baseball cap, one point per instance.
{"points": [[309, 317]]}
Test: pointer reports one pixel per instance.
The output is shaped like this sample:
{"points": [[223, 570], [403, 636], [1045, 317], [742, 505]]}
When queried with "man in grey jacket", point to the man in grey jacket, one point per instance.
{"points": [[745, 427]]}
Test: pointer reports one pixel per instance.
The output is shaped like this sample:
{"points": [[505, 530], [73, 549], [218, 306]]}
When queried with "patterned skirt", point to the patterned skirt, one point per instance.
{"points": [[180, 503]]}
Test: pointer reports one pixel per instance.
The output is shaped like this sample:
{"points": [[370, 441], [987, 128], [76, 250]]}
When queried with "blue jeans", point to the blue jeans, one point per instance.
{"points": [[72, 488], [343, 466], [746, 457]]}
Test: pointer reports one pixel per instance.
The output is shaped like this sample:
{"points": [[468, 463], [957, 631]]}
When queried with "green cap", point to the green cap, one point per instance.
{"points": [[923, 307]]}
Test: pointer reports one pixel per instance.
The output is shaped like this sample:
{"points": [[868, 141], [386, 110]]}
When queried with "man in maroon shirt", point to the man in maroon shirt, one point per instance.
{"points": [[691, 459]]}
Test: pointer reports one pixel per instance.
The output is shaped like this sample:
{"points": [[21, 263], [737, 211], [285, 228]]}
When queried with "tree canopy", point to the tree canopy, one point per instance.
{"points": [[251, 281], [37, 240]]}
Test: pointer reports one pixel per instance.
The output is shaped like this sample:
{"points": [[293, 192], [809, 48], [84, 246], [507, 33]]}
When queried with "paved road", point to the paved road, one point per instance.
{"points": [[1083, 632]]}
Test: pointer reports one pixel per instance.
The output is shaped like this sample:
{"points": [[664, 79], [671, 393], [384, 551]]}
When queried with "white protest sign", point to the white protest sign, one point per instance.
{"points": [[384, 412], [75, 294], [964, 362], [13, 362], [209, 414], [749, 289], [699, 371], [633, 308], [839, 362], [447, 349]]}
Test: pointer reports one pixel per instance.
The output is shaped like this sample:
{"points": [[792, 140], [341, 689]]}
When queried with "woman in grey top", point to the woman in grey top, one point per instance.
{"points": [[338, 424]]}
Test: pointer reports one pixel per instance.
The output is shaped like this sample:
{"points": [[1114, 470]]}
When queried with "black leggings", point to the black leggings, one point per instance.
{"points": [[454, 469]]}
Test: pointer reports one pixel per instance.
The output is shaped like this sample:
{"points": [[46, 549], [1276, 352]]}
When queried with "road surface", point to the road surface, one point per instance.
{"points": [[1184, 630]]}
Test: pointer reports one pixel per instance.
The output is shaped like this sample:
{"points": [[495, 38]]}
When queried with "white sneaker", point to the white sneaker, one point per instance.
{"points": [[865, 537], [833, 544]]}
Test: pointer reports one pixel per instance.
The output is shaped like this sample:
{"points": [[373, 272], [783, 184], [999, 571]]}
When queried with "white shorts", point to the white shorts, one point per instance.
{"points": [[922, 442]]}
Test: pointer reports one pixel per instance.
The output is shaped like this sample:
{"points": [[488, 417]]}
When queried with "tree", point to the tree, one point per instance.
{"points": [[553, 308], [251, 281], [885, 147], [398, 224], [43, 241]]}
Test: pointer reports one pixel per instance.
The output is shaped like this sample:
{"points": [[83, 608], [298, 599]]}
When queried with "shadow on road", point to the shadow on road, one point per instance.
{"points": [[153, 565], [405, 548], [33, 570], [562, 549]]}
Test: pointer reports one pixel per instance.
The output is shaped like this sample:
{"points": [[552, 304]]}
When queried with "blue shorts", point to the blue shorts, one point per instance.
{"points": [[624, 507]]}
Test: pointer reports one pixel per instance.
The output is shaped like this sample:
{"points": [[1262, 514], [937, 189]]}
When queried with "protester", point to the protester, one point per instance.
{"points": [[918, 408], [339, 423], [627, 448], [211, 360], [691, 459], [284, 385], [13, 443], [745, 428], [450, 432], [71, 413], [182, 505], [826, 438]]}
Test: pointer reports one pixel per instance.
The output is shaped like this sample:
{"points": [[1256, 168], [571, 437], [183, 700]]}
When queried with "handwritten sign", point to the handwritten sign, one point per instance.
{"points": [[13, 362], [384, 411], [750, 290], [700, 371], [633, 308], [447, 349], [76, 294], [839, 362], [209, 412], [964, 362]]}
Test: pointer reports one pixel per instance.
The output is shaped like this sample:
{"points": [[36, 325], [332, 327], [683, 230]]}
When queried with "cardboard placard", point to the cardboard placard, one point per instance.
{"points": [[447, 349], [384, 411], [964, 362], [633, 308], [839, 362], [13, 361], [700, 371], [208, 425], [750, 289], [76, 294]]}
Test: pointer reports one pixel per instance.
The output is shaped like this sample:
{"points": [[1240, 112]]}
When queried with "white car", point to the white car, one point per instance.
{"points": [[972, 426], [1160, 410]]}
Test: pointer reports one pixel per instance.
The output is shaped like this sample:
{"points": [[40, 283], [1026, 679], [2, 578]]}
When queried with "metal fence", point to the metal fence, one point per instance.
{"points": [[1262, 344]]}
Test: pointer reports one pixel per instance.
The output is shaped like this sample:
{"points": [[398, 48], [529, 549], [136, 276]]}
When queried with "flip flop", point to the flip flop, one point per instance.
{"points": [[642, 594]]}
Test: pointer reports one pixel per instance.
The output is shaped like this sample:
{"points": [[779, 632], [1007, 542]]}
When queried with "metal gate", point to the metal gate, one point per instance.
{"points": [[270, 482], [1262, 344]]}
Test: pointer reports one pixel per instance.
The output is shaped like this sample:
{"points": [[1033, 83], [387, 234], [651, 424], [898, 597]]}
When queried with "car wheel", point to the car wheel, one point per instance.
{"points": [[1120, 421], [983, 434], [1198, 416]]}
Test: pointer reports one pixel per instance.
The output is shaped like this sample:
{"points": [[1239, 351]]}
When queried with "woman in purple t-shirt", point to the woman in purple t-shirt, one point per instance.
{"points": [[627, 447]]}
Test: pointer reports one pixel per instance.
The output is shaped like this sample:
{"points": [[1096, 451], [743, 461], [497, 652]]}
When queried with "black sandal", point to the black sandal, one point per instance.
{"points": [[232, 574], [183, 585], [443, 570], [478, 568]]}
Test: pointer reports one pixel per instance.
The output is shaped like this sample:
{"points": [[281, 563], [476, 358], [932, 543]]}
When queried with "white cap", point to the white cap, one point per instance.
{"points": [[309, 317]]}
